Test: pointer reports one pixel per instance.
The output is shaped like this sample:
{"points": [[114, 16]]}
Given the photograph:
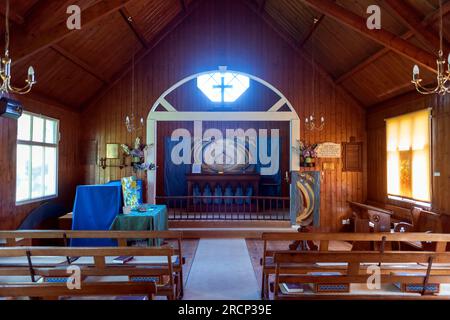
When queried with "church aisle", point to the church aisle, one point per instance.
{"points": [[221, 270]]}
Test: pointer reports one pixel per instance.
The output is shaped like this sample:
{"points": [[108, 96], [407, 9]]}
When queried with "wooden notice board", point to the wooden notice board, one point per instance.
{"points": [[352, 156]]}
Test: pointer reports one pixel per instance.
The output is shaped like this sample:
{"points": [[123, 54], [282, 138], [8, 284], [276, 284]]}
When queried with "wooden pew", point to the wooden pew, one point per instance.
{"points": [[20, 237], [322, 240], [369, 218], [293, 267], [52, 291], [158, 264], [421, 221]]}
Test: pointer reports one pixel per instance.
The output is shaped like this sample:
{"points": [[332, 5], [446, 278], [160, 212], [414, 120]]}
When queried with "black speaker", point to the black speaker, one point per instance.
{"points": [[10, 108]]}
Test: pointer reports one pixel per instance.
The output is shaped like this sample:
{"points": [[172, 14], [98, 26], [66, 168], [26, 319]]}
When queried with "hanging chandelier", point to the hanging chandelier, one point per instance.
{"points": [[310, 122], [5, 67], [130, 120], [443, 77]]}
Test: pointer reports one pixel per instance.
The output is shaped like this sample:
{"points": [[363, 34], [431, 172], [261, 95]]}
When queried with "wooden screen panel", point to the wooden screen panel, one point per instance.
{"points": [[352, 156]]}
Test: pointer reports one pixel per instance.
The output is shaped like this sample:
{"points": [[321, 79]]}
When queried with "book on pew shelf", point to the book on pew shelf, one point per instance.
{"points": [[415, 287], [328, 287], [122, 259], [291, 288]]}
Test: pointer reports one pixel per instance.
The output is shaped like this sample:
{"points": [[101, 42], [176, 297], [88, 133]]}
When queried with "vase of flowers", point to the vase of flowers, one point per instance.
{"points": [[137, 154], [308, 155]]}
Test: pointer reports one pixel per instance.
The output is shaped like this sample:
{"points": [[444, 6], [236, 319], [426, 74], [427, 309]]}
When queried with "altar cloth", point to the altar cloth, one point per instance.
{"points": [[155, 218], [95, 208]]}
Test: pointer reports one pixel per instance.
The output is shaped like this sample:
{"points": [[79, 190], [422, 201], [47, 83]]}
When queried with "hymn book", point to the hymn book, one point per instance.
{"points": [[122, 259], [291, 288]]}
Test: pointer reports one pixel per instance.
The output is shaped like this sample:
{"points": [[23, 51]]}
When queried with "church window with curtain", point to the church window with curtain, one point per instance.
{"points": [[408, 157]]}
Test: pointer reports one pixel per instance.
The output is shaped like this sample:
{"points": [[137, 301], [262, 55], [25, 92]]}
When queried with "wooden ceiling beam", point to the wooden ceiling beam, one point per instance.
{"points": [[294, 44], [413, 20], [384, 37], [29, 45], [311, 31], [429, 20], [13, 16], [79, 62], [143, 53], [134, 27], [286, 37]]}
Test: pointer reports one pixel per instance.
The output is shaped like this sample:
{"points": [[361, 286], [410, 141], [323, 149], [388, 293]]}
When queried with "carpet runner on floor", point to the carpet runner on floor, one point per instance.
{"points": [[222, 270]]}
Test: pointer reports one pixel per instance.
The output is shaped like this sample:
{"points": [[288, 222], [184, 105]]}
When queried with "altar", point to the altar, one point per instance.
{"points": [[244, 180], [147, 218]]}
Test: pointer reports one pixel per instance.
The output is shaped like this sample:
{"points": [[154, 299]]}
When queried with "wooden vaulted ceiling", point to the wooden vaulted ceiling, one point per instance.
{"points": [[78, 67]]}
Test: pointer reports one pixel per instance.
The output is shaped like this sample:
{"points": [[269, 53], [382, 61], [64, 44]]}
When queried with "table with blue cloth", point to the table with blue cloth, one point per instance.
{"points": [[154, 218]]}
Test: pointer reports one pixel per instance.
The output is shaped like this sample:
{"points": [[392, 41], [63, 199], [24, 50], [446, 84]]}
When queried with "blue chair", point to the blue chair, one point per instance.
{"points": [[207, 193], [249, 194], [45, 215], [218, 193], [228, 193], [239, 193], [196, 193]]}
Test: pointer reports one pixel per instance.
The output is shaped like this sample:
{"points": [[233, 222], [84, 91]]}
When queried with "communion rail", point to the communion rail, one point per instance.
{"points": [[226, 207]]}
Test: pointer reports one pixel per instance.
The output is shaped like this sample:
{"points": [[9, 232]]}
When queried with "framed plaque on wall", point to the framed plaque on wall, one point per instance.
{"points": [[352, 156]]}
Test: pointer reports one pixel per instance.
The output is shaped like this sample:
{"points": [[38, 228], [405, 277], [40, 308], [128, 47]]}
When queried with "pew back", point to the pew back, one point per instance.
{"points": [[324, 238], [369, 218], [425, 221], [355, 270], [148, 263], [56, 290], [383, 241], [26, 237]]}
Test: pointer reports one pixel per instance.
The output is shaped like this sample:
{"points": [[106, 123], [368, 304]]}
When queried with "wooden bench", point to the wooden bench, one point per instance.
{"points": [[384, 242], [294, 267], [27, 237], [95, 264], [370, 218], [50, 291], [421, 221]]}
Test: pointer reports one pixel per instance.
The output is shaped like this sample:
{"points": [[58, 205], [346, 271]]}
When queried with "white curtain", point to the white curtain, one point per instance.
{"points": [[408, 155]]}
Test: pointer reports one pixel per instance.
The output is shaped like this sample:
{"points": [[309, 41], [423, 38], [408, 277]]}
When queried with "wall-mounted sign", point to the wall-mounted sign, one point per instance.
{"points": [[329, 150], [353, 156], [328, 166]]}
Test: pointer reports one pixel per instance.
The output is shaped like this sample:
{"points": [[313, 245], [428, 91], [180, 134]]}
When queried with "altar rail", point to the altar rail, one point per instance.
{"points": [[230, 208]]}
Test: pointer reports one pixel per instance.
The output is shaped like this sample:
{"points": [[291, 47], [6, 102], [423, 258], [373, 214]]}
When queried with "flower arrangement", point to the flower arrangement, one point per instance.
{"points": [[308, 154], [137, 155]]}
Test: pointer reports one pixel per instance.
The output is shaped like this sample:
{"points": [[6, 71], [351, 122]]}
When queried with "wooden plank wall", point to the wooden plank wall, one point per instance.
{"points": [[228, 33], [376, 152], [68, 176]]}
